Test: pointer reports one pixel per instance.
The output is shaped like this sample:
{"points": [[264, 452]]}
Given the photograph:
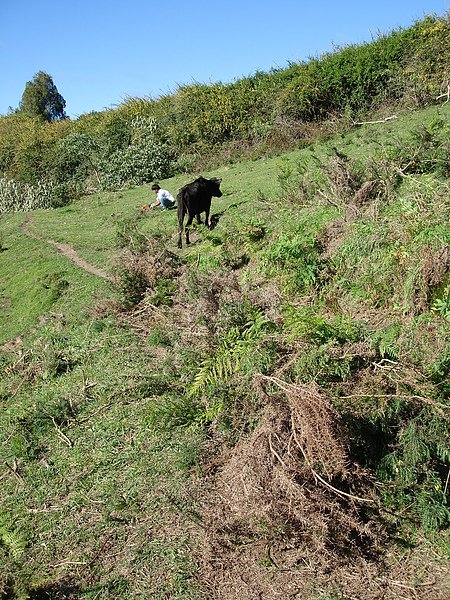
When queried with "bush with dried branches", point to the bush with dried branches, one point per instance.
{"points": [[287, 493], [137, 274]]}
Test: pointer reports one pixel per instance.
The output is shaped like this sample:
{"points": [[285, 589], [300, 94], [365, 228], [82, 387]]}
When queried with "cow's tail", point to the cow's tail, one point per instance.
{"points": [[181, 209], [181, 212]]}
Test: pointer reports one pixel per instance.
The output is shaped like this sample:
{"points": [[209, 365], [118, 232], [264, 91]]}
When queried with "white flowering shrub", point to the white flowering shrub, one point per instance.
{"points": [[144, 160], [22, 197]]}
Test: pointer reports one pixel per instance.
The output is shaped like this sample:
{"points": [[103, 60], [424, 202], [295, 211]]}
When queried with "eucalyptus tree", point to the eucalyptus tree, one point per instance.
{"points": [[41, 99]]}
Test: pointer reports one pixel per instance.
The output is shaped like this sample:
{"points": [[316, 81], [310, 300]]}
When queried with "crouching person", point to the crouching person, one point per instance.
{"points": [[163, 198]]}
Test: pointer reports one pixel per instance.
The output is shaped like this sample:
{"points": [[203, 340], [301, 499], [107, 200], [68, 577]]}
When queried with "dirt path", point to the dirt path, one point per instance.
{"points": [[65, 249]]}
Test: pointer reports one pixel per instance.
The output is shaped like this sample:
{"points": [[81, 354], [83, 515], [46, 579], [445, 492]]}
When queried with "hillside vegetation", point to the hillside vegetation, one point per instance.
{"points": [[272, 399], [202, 126]]}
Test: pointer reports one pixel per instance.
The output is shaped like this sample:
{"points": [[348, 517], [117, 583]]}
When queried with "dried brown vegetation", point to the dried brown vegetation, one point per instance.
{"points": [[272, 528]]}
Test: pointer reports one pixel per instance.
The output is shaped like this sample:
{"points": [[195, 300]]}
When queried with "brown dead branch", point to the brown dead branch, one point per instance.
{"points": [[15, 471], [317, 477], [445, 94], [314, 421]]}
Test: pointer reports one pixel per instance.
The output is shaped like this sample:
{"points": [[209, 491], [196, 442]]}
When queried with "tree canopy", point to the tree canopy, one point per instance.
{"points": [[42, 99]]}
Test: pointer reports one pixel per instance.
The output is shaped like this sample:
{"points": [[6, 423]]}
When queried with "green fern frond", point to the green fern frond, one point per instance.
{"points": [[13, 540], [233, 349]]}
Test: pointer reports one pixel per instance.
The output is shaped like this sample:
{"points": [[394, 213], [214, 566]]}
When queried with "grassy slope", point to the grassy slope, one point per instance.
{"points": [[95, 494]]}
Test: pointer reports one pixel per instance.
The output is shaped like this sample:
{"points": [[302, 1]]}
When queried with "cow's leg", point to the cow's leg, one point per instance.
{"points": [[186, 229], [181, 213], [197, 216], [180, 232], [207, 223]]}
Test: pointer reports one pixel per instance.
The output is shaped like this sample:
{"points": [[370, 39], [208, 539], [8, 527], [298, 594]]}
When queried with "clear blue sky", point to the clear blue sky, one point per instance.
{"points": [[100, 52]]}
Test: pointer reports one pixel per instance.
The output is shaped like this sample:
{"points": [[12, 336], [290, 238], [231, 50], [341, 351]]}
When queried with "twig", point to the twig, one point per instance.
{"points": [[446, 94], [286, 387], [20, 359], [65, 563], [408, 587], [14, 471], [37, 511], [87, 385], [15, 392], [318, 477], [97, 553], [446, 483], [335, 204], [274, 452], [61, 434], [371, 122]]}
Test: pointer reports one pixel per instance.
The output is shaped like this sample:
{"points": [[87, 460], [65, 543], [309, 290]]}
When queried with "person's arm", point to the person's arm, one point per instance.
{"points": [[157, 202]]}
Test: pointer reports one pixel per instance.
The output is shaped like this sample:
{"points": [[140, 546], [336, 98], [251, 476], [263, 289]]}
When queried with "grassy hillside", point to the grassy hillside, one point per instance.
{"points": [[262, 414]]}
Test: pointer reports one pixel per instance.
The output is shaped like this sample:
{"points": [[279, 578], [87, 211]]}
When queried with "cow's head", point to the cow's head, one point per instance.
{"points": [[215, 187]]}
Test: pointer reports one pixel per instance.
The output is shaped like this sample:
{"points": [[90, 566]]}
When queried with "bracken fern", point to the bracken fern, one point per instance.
{"points": [[10, 537], [237, 343]]}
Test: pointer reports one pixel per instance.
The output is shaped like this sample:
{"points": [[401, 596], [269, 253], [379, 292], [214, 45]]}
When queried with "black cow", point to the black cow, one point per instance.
{"points": [[193, 199]]}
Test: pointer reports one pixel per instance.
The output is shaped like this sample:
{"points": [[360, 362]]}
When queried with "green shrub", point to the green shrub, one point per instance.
{"points": [[441, 305], [417, 469], [117, 132], [237, 343], [163, 292], [311, 325], [351, 79], [295, 256], [139, 163], [332, 348], [386, 341], [145, 159], [439, 371], [424, 150], [130, 237], [76, 160], [22, 197], [145, 268]]}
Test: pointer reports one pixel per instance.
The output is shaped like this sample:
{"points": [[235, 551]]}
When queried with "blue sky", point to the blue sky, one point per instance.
{"points": [[100, 52]]}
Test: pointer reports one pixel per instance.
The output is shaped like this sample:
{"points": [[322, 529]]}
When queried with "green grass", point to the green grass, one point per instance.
{"points": [[36, 279], [105, 484]]}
